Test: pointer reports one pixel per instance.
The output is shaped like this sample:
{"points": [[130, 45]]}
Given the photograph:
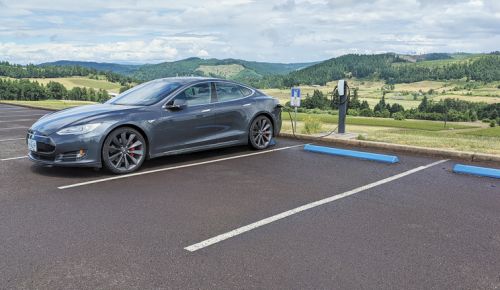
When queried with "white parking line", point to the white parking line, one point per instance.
{"points": [[12, 139], [12, 128], [176, 167], [299, 209], [14, 158], [19, 111], [20, 120], [30, 115]]}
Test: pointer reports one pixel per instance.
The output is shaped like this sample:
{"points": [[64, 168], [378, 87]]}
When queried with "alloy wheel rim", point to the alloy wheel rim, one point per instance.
{"points": [[125, 150], [262, 132]]}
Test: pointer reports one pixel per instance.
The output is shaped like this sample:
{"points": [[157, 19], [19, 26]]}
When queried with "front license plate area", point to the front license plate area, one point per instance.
{"points": [[32, 145]]}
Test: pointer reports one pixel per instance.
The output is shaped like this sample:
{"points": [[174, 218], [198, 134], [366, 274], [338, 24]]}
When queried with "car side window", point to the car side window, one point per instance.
{"points": [[227, 92], [199, 94]]}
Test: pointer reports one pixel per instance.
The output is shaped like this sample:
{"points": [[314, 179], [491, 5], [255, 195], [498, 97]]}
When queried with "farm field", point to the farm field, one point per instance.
{"points": [[408, 95], [49, 104], [71, 82]]}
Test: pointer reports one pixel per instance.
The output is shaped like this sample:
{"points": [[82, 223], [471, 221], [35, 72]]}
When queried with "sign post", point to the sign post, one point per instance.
{"points": [[295, 102]]}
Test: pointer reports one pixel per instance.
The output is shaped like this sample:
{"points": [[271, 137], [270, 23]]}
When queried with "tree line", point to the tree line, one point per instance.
{"points": [[26, 90], [449, 109], [41, 71]]}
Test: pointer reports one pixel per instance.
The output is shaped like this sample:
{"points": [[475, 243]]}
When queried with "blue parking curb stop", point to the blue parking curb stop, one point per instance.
{"points": [[476, 170], [351, 153]]}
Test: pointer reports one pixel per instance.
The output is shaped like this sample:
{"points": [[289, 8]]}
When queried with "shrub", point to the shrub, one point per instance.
{"points": [[353, 112], [493, 123], [366, 113], [311, 126], [398, 116], [383, 114], [485, 120]]}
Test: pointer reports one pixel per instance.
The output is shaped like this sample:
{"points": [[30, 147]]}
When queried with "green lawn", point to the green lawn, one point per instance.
{"points": [[489, 132], [49, 104], [444, 139], [382, 122]]}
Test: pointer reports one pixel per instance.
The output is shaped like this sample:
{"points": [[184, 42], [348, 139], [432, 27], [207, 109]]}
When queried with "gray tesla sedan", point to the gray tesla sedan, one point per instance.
{"points": [[161, 117]]}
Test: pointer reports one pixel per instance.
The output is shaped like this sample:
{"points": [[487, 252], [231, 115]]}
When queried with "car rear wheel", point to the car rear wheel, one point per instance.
{"points": [[261, 132], [124, 150]]}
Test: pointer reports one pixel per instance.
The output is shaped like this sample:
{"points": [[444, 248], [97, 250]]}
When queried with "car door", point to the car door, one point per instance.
{"points": [[188, 126], [233, 108]]}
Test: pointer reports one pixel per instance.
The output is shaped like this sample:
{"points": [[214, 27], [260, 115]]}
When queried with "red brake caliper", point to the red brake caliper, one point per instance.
{"points": [[132, 153]]}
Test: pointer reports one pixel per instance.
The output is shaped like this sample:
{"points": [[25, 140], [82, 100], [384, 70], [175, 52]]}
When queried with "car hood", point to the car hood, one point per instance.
{"points": [[53, 122]]}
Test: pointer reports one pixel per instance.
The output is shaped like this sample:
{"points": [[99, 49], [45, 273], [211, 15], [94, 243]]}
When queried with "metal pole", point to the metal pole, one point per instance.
{"points": [[342, 114], [295, 119]]}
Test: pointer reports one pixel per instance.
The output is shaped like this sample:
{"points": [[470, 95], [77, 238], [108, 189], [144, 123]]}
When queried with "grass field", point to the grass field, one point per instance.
{"points": [[489, 132], [49, 104], [403, 94], [471, 140], [71, 82], [384, 122]]}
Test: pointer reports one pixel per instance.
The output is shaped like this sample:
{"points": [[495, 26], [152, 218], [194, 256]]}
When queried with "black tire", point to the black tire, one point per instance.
{"points": [[260, 132], [124, 150]]}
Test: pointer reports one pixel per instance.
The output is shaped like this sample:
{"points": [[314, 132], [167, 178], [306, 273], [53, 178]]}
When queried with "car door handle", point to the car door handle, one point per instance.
{"points": [[206, 110], [248, 104]]}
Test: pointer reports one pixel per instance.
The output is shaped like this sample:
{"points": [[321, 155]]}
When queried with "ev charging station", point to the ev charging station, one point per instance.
{"points": [[343, 91]]}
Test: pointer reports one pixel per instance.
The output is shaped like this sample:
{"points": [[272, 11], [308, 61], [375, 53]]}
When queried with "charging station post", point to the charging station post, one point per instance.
{"points": [[295, 102], [342, 89]]}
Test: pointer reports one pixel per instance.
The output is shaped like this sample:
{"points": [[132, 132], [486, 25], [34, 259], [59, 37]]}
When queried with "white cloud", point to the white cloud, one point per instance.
{"points": [[133, 51], [281, 30]]}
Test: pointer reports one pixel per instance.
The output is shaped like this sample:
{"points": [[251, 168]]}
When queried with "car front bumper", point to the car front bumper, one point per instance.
{"points": [[68, 150]]}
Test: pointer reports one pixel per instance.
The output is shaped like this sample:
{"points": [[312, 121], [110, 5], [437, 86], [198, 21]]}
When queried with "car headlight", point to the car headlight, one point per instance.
{"points": [[80, 129]]}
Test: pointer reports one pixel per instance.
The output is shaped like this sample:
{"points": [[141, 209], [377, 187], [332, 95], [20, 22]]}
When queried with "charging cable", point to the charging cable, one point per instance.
{"points": [[332, 104]]}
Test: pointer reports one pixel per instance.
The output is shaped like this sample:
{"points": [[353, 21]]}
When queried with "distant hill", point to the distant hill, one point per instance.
{"points": [[101, 66], [227, 68], [390, 67], [424, 57], [395, 68]]}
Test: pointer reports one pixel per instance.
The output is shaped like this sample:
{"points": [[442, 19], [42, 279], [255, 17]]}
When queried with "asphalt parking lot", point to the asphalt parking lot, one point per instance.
{"points": [[282, 218]]}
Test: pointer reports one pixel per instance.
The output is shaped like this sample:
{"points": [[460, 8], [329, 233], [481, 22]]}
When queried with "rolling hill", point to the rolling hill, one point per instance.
{"points": [[394, 68], [227, 68], [101, 66]]}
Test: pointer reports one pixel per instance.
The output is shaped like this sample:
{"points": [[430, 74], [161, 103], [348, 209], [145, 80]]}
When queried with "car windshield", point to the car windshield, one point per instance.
{"points": [[146, 94]]}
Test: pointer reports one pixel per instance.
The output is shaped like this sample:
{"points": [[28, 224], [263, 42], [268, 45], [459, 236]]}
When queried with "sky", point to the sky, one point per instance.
{"points": [[133, 31]]}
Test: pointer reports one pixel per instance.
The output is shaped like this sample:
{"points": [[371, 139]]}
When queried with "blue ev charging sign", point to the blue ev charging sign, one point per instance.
{"points": [[295, 99]]}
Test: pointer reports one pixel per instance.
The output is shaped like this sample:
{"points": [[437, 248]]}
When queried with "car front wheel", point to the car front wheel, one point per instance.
{"points": [[124, 150], [261, 132]]}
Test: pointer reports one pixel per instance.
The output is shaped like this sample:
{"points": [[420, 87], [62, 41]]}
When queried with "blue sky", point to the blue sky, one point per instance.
{"points": [[133, 31]]}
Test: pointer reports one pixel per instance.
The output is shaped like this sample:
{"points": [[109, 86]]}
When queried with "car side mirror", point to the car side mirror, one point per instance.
{"points": [[176, 105]]}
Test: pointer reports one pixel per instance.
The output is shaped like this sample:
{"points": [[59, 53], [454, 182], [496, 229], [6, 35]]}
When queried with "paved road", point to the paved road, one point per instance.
{"points": [[424, 229]]}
